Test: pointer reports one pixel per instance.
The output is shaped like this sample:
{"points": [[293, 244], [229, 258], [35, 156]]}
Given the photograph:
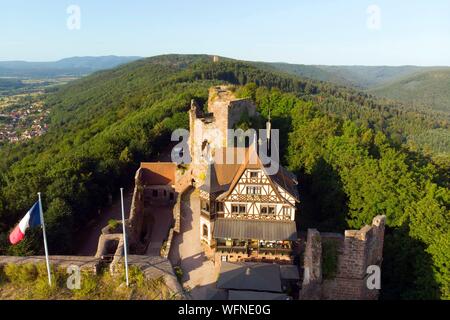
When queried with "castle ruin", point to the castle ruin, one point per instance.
{"points": [[356, 251]]}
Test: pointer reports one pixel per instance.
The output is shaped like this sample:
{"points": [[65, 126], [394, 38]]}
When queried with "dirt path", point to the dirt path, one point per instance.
{"points": [[87, 240], [200, 275]]}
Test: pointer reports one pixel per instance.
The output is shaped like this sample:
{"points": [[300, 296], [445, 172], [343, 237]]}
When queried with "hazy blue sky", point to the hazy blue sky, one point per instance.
{"points": [[310, 32]]}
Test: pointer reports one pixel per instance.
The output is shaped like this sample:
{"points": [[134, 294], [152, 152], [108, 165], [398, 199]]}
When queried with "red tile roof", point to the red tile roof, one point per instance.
{"points": [[159, 173]]}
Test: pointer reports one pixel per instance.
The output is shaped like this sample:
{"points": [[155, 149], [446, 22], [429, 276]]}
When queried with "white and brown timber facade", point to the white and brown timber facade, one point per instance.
{"points": [[247, 213]]}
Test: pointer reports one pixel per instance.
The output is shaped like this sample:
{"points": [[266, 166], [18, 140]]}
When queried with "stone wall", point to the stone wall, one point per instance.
{"points": [[136, 219], [211, 129], [183, 189], [357, 250]]}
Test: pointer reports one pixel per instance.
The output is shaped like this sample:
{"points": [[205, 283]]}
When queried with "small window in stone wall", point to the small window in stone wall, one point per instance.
{"points": [[155, 193], [205, 231]]}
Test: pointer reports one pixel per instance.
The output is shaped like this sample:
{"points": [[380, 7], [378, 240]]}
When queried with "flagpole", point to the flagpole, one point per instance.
{"points": [[125, 245], [41, 212]]}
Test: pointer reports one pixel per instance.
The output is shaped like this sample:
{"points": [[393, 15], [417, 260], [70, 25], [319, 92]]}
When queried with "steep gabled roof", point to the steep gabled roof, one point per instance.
{"points": [[220, 174], [287, 181], [223, 177], [282, 178]]}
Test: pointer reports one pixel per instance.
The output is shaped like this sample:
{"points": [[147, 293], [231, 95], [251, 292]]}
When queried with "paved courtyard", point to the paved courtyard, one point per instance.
{"points": [[199, 274]]}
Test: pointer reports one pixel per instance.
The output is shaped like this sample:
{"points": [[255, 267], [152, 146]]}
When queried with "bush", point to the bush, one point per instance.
{"points": [[41, 290], [2, 276], [89, 287], [179, 273], [21, 274], [136, 276], [31, 282], [113, 224]]}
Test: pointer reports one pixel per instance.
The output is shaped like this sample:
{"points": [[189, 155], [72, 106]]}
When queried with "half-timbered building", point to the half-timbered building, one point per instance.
{"points": [[247, 212]]}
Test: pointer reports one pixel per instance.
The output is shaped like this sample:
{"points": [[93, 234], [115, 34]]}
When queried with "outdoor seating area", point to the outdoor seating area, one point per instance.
{"points": [[254, 250]]}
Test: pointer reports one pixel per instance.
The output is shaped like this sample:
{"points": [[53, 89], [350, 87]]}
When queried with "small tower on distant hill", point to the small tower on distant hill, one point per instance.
{"points": [[216, 59]]}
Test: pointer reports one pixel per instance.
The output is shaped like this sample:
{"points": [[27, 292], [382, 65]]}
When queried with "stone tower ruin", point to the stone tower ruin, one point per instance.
{"points": [[357, 250], [209, 129]]}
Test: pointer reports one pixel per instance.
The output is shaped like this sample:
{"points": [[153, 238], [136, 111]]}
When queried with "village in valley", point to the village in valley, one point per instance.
{"points": [[22, 117], [23, 112]]}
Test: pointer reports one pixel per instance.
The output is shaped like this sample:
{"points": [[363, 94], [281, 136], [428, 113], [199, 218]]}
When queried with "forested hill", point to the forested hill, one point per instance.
{"points": [[363, 77], [417, 87], [431, 88], [353, 154]]}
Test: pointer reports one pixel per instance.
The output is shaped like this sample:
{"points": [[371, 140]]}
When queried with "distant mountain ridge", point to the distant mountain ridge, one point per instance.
{"points": [[75, 66]]}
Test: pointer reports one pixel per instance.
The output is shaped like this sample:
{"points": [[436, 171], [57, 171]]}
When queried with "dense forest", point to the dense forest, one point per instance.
{"points": [[421, 87], [363, 77], [356, 157], [430, 89]]}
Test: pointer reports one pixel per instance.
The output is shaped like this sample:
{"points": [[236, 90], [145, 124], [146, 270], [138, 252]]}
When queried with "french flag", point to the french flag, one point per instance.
{"points": [[32, 219]]}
